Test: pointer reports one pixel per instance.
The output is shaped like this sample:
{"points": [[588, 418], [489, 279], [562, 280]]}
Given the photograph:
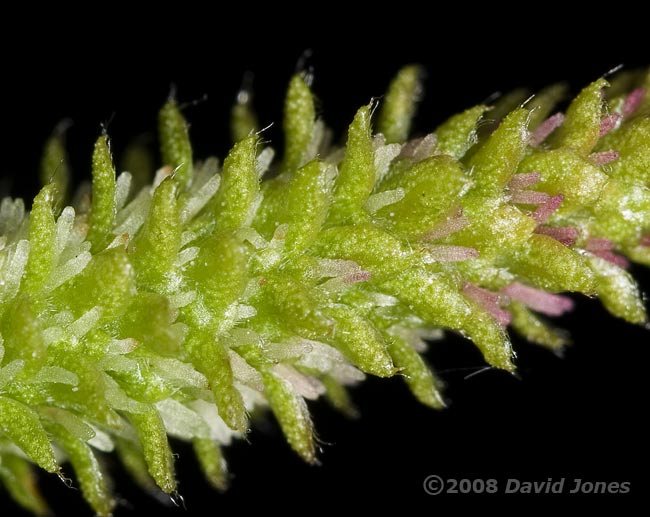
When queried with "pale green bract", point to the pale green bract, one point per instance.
{"points": [[179, 308]]}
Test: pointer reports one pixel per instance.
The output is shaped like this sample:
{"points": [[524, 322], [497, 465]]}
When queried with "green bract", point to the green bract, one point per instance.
{"points": [[179, 307]]}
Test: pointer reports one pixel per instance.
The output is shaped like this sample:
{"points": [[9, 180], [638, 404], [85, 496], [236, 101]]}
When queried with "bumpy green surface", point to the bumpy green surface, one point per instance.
{"points": [[178, 308]]}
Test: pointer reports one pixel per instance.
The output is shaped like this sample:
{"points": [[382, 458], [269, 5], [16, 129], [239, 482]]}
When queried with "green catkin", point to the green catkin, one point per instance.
{"points": [[54, 168], [292, 414], [157, 245], [41, 239], [102, 210], [132, 458], [416, 373], [398, 107], [88, 471], [458, 133], [581, 127], [22, 426], [155, 448], [19, 479], [180, 308], [299, 120], [175, 141], [212, 463], [237, 196], [243, 121], [139, 161], [356, 177]]}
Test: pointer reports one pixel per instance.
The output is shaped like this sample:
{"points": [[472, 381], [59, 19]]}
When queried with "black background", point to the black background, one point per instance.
{"points": [[579, 416]]}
